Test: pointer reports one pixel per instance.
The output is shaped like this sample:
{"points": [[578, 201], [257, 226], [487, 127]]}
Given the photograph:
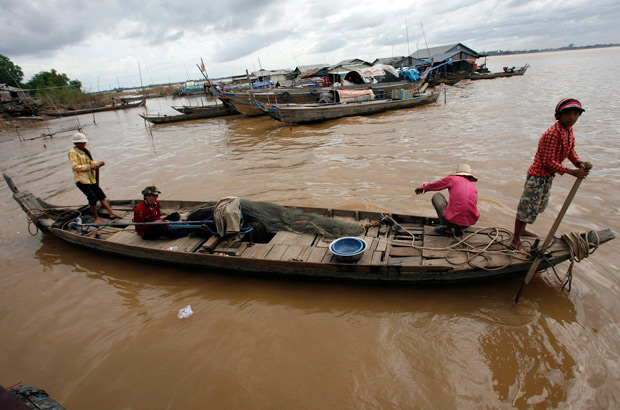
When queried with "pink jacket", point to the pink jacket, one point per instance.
{"points": [[462, 206]]}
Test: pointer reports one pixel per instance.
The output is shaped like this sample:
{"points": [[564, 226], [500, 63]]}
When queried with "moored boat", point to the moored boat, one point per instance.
{"points": [[458, 76], [299, 242], [317, 112], [69, 113], [205, 112], [190, 109], [243, 101], [508, 72]]}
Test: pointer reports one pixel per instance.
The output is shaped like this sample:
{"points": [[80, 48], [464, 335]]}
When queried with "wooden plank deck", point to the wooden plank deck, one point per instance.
{"points": [[128, 236]]}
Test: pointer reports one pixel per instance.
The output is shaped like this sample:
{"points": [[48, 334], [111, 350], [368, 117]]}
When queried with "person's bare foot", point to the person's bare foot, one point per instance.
{"points": [[528, 233], [97, 221], [517, 246], [115, 216]]}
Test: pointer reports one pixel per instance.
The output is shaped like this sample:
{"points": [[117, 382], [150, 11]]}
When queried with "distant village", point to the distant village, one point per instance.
{"points": [[452, 61], [455, 58], [462, 59]]}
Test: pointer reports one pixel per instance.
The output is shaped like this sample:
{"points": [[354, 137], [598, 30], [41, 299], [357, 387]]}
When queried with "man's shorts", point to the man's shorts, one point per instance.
{"points": [[535, 197], [92, 192]]}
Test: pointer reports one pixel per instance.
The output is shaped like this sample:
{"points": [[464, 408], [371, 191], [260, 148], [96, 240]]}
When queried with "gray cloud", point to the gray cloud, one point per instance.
{"points": [[87, 37]]}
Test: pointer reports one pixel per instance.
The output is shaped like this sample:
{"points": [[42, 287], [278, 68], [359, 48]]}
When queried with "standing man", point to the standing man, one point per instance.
{"points": [[84, 168], [555, 145]]}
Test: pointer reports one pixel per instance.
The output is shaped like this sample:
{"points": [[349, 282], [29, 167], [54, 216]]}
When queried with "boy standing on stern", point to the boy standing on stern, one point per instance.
{"points": [[555, 145]]}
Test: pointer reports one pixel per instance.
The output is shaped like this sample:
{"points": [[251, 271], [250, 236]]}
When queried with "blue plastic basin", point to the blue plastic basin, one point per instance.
{"points": [[348, 248]]}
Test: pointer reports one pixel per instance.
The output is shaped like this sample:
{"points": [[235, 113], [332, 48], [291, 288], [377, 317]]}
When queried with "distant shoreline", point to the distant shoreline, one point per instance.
{"points": [[546, 50]]}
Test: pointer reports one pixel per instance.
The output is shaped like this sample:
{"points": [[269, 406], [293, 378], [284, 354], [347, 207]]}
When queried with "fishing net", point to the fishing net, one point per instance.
{"points": [[267, 218]]}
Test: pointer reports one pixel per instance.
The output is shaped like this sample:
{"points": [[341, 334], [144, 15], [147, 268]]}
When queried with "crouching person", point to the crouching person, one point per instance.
{"points": [[150, 211], [461, 211]]}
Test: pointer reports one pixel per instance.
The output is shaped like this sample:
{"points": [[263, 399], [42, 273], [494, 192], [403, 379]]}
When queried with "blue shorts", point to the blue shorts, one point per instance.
{"points": [[92, 192]]}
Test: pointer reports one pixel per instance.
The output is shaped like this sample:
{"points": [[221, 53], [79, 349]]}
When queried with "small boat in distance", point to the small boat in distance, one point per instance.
{"points": [[476, 75], [114, 107], [196, 114], [508, 72], [301, 242]]}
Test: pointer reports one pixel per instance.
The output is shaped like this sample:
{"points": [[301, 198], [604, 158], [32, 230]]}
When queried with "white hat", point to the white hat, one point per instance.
{"points": [[465, 170], [79, 137]]}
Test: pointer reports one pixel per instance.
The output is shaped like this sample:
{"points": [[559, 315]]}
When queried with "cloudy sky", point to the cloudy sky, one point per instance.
{"points": [[108, 43]]}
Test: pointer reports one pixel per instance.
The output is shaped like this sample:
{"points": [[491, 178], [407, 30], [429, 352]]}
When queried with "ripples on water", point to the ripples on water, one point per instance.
{"points": [[101, 332]]}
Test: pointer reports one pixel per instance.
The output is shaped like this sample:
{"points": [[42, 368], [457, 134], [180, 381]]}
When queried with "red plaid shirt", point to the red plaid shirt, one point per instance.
{"points": [[554, 147]]}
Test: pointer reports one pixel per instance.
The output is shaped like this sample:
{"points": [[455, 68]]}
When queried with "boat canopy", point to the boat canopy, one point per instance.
{"points": [[378, 73]]}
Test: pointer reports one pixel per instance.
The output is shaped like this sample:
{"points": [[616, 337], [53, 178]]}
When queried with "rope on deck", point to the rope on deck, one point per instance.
{"points": [[495, 234], [52, 213]]}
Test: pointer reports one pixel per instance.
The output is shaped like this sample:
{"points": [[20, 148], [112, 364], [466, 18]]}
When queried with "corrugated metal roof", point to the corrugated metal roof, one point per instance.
{"points": [[441, 53]]}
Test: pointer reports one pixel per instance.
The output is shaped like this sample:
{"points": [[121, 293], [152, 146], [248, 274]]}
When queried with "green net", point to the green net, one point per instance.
{"points": [[267, 217]]}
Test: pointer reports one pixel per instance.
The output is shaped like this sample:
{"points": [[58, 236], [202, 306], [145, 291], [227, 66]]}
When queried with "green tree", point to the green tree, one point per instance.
{"points": [[10, 73], [56, 89], [76, 83], [48, 79]]}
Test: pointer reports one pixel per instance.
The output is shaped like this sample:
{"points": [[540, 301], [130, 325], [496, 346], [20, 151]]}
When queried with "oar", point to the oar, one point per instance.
{"points": [[551, 234], [183, 224]]}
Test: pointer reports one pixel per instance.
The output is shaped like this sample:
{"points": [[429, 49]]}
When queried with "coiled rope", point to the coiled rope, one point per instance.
{"points": [[496, 236], [51, 213], [580, 248]]}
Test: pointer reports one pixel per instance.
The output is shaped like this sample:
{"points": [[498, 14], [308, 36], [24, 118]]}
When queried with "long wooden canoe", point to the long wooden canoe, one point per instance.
{"points": [[98, 109], [400, 248], [243, 100], [499, 74], [205, 112], [458, 76], [308, 113], [190, 109]]}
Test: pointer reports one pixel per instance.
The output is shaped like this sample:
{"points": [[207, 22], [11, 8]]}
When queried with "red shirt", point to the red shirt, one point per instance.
{"points": [[554, 147], [462, 206], [146, 213]]}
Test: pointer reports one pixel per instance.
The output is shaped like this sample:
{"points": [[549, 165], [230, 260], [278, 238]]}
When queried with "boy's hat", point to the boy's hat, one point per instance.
{"points": [[151, 190], [79, 137], [568, 104], [465, 171]]}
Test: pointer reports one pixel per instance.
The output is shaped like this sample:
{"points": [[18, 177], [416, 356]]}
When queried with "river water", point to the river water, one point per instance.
{"points": [[101, 332]]}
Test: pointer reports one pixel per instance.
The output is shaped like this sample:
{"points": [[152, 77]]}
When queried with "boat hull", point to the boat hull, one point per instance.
{"points": [[309, 113], [95, 110], [243, 101], [205, 112], [412, 254]]}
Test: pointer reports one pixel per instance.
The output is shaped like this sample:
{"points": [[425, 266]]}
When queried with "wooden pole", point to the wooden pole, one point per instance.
{"points": [[551, 234]]}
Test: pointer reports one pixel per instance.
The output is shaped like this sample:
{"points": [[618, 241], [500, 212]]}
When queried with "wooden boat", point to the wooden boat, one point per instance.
{"points": [[98, 109], [243, 101], [397, 248], [458, 76], [128, 98], [26, 396], [189, 109], [508, 72], [308, 113], [206, 112]]}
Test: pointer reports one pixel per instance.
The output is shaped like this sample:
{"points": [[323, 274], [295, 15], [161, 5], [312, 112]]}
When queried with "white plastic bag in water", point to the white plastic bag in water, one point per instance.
{"points": [[185, 312]]}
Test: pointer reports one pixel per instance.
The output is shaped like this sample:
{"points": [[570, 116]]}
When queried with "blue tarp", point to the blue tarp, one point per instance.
{"points": [[264, 84], [412, 75]]}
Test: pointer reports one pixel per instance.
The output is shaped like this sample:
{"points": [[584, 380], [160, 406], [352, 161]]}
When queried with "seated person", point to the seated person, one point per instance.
{"points": [[462, 209], [149, 211]]}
